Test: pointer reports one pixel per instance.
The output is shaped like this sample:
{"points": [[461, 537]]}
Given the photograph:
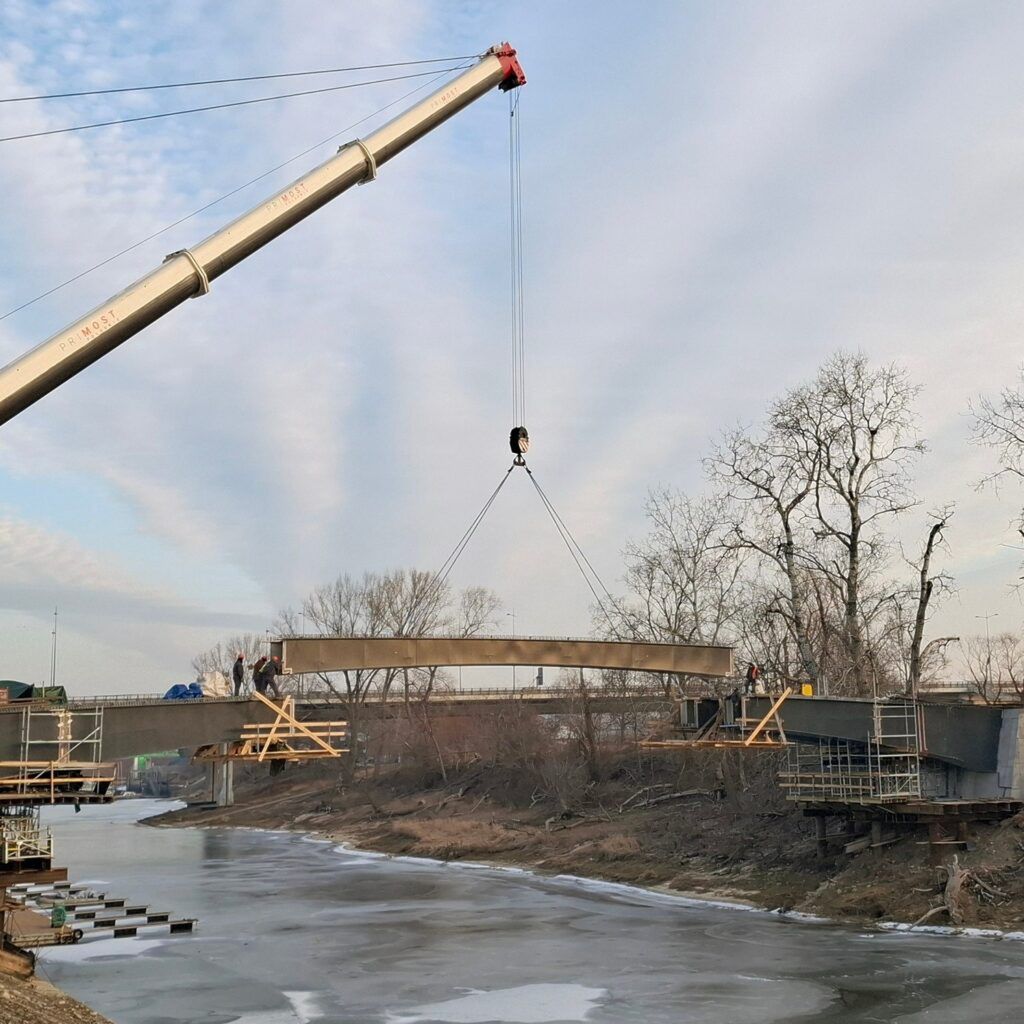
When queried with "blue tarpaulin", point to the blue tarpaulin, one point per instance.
{"points": [[183, 691]]}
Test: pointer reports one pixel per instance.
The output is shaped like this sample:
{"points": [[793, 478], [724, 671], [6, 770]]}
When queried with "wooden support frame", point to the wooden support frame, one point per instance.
{"points": [[276, 740], [51, 780], [773, 712], [709, 736]]}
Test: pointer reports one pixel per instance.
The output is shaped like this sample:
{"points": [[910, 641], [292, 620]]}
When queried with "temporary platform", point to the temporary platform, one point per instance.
{"points": [[83, 914], [727, 729], [283, 739], [60, 759]]}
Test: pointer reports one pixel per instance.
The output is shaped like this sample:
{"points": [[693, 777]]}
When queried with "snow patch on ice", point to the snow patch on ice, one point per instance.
{"points": [[97, 949], [304, 1006], [526, 1004], [903, 928]]}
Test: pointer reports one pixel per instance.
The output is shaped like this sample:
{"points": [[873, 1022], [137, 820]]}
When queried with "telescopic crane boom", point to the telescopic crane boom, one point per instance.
{"points": [[188, 273]]}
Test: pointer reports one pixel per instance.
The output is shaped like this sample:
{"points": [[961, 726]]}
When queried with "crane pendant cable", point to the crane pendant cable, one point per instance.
{"points": [[519, 437]]}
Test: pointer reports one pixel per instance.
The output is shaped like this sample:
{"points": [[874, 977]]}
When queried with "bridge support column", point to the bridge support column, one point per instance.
{"points": [[223, 780]]}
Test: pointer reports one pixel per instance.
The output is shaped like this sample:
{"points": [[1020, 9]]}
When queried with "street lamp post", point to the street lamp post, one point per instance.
{"points": [[512, 615], [988, 647]]}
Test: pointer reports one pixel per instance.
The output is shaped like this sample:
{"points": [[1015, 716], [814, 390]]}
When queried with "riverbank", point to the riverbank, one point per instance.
{"points": [[37, 1002], [750, 847]]}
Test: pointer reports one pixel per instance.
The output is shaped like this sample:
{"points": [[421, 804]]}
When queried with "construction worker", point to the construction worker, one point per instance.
{"points": [[257, 674], [268, 676], [238, 673], [752, 679]]}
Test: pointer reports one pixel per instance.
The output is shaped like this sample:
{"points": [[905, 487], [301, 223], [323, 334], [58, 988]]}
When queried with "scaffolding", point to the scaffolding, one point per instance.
{"points": [[884, 767], [60, 758], [22, 837]]}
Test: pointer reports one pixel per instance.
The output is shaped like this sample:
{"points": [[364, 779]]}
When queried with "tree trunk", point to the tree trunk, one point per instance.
{"points": [[923, 597], [852, 624], [807, 660]]}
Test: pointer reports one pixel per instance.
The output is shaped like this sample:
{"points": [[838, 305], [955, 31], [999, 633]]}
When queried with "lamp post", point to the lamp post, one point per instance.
{"points": [[988, 648], [512, 615]]}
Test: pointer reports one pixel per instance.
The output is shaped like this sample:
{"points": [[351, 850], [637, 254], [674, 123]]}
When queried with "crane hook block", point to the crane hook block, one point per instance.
{"points": [[519, 441]]}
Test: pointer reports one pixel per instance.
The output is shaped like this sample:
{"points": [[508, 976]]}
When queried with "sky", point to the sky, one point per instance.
{"points": [[716, 197]]}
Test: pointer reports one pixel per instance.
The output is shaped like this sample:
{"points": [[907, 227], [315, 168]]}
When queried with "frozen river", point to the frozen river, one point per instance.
{"points": [[297, 932]]}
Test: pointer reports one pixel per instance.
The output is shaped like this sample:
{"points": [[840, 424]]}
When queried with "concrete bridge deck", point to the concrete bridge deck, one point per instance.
{"points": [[145, 723], [963, 735]]}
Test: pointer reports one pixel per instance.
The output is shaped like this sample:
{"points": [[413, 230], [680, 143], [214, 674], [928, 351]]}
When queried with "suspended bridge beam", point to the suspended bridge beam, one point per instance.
{"points": [[337, 654]]}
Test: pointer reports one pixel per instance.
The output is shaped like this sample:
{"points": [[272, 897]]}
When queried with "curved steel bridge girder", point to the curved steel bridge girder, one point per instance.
{"points": [[337, 654]]}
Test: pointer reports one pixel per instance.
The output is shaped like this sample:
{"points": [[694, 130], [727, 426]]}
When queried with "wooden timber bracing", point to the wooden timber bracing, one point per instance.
{"points": [[767, 732], [283, 739]]}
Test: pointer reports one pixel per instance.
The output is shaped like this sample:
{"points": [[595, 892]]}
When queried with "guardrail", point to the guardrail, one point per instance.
{"points": [[393, 696]]}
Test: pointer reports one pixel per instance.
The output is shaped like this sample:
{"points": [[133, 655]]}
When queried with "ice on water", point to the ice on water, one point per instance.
{"points": [[525, 1004]]}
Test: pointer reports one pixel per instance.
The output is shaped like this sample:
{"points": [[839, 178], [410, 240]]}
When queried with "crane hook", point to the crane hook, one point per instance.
{"points": [[519, 442]]}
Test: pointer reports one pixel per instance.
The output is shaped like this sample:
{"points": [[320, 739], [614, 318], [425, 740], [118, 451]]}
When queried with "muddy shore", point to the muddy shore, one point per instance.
{"points": [[36, 1002], [702, 844]]}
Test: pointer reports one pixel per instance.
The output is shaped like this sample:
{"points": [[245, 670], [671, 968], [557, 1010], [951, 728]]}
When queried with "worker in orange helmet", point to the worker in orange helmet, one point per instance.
{"points": [[753, 678]]}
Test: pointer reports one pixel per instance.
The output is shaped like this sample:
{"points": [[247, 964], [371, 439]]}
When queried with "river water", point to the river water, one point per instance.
{"points": [[293, 931]]}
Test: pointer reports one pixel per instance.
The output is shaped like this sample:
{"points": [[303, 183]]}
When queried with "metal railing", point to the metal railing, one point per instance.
{"points": [[377, 696]]}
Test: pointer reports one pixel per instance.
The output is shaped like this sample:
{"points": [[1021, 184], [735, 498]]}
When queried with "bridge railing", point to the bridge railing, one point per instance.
{"points": [[319, 693]]}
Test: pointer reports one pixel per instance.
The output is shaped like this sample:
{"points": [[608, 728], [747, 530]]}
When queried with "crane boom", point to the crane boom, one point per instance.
{"points": [[188, 273]]}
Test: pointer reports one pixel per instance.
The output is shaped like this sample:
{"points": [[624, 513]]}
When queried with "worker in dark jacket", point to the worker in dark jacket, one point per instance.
{"points": [[257, 674], [238, 673], [268, 676]]}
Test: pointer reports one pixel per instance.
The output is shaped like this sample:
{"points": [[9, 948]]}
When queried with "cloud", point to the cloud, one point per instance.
{"points": [[736, 193]]}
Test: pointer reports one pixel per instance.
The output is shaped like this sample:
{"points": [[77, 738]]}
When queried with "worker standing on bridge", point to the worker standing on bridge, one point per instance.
{"points": [[753, 678], [267, 677], [238, 673], [257, 673]]}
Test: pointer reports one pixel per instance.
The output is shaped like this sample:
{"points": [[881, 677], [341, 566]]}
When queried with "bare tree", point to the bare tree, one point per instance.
{"points": [[221, 656], [1009, 650], [770, 479], [999, 422], [927, 585], [399, 603], [860, 420], [995, 665], [684, 581]]}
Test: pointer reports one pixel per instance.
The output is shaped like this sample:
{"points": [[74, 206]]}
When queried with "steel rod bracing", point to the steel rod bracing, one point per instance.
{"points": [[81, 343], [214, 106], [227, 195], [244, 78]]}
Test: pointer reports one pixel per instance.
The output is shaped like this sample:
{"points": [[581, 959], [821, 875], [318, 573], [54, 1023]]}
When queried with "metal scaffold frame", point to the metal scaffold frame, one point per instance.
{"points": [[22, 836], [49, 779], [884, 768]]}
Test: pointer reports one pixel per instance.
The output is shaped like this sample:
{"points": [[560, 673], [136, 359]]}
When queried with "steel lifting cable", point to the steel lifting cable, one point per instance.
{"points": [[227, 195], [578, 554], [441, 576], [519, 438]]}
